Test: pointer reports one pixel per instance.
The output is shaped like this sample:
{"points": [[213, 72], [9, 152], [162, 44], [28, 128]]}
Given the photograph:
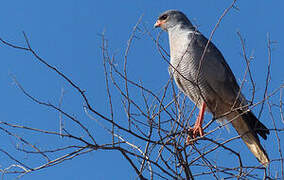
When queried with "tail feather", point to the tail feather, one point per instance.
{"points": [[255, 124], [248, 126]]}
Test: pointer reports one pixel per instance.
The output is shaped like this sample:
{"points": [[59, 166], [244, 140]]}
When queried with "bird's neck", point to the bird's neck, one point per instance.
{"points": [[179, 40]]}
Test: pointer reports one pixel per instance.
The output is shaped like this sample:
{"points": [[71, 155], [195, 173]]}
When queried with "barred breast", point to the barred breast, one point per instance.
{"points": [[189, 77]]}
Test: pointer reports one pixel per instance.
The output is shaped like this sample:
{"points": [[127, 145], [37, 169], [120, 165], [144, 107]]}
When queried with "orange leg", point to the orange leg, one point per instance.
{"points": [[197, 129]]}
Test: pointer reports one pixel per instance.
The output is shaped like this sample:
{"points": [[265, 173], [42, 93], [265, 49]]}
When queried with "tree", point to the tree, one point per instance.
{"points": [[151, 134]]}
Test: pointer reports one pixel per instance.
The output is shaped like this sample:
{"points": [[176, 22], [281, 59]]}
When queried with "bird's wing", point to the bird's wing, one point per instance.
{"points": [[220, 78], [216, 71]]}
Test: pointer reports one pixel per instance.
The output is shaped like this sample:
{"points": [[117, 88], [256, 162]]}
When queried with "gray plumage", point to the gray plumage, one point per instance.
{"points": [[209, 80]]}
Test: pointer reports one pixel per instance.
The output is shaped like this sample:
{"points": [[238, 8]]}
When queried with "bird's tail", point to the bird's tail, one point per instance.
{"points": [[248, 126]]}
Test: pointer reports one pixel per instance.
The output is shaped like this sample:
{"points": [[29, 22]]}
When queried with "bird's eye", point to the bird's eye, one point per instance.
{"points": [[163, 17]]}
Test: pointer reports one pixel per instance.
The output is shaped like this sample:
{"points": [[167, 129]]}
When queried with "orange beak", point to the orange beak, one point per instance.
{"points": [[158, 23]]}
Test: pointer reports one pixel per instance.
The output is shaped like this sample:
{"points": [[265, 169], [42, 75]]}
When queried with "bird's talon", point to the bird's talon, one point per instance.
{"points": [[194, 133]]}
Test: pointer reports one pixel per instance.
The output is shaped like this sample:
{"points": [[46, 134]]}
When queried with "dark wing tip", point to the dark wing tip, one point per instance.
{"points": [[256, 125]]}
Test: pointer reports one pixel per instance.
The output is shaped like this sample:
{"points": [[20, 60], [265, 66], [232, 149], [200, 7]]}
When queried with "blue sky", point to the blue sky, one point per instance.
{"points": [[67, 35]]}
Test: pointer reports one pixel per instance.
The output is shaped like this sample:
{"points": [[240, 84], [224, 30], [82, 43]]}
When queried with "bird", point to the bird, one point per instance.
{"points": [[201, 72]]}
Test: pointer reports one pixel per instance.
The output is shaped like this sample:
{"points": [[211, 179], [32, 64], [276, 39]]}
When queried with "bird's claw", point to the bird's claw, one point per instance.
{"points": [[194, 133], [198, 131]]}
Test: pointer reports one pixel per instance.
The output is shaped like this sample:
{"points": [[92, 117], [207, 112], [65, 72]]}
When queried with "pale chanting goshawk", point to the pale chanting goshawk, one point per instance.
{"points": [[206, 78]]}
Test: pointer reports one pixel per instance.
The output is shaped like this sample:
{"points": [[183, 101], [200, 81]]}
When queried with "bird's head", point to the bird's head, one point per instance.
{"points": [[171, 18]]}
